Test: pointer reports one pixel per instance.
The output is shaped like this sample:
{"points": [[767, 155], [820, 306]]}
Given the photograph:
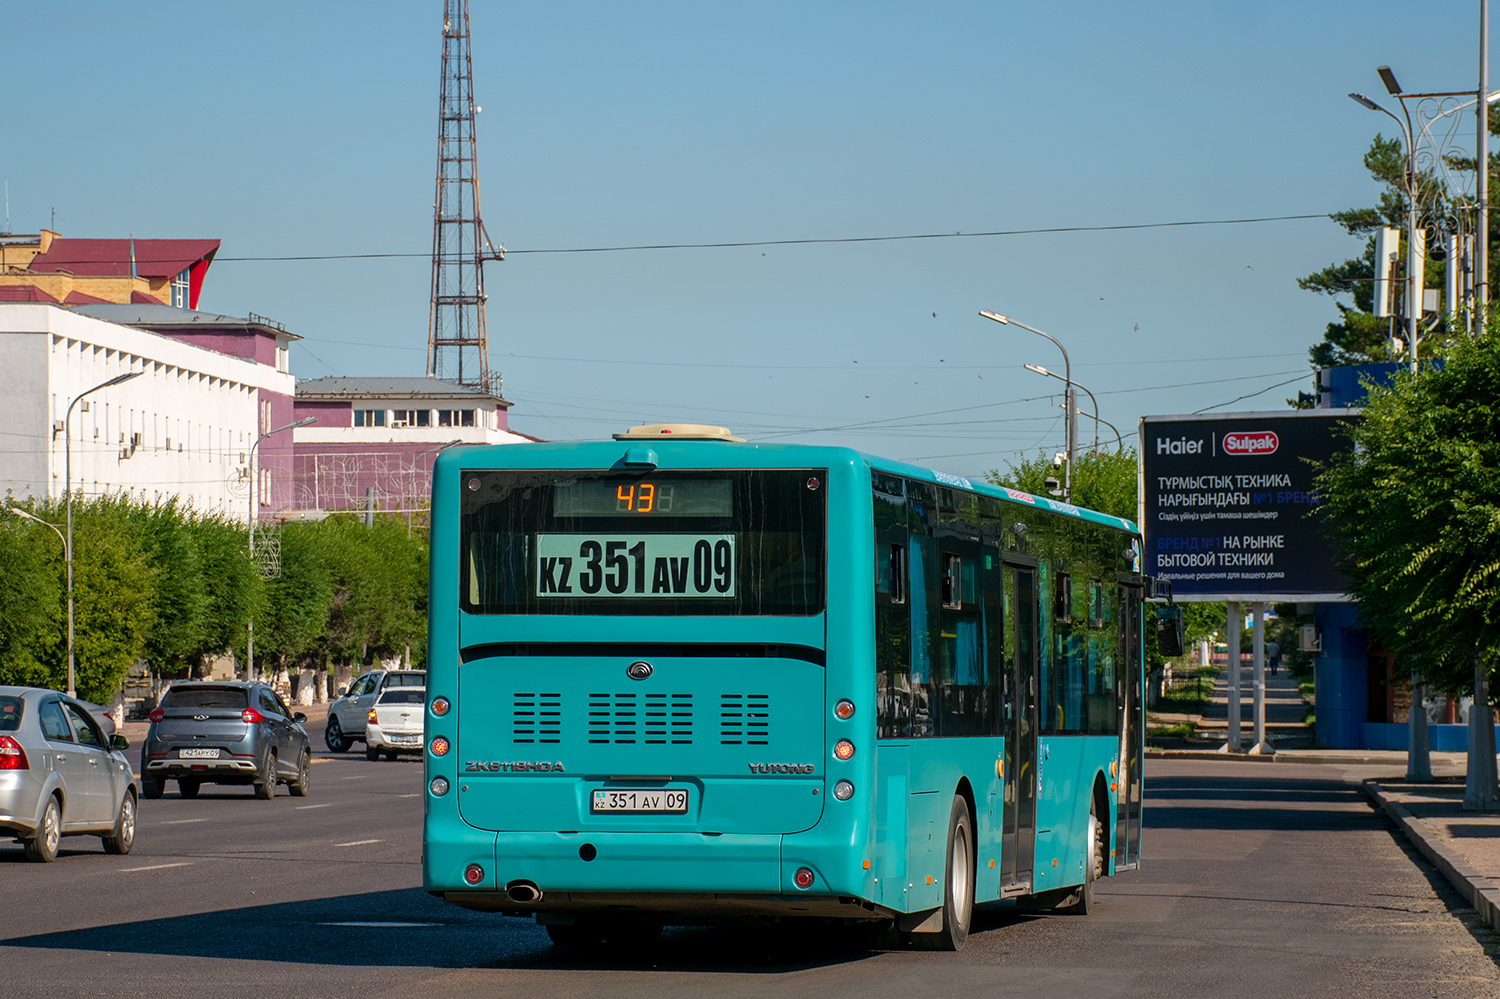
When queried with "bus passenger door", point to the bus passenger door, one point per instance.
{"points": [[1018, 838], [1132, 732]]}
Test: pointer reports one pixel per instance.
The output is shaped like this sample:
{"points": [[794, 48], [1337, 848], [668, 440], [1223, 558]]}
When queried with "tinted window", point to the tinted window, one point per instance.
{"points": [[723, 542], [204, 697], [269, 703], [408, 696], [54, 725], [10, 713], [404, 680], [84, 727]]}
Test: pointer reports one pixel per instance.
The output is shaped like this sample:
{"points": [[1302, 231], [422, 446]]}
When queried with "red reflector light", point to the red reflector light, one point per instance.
{"points": [[12, 756], [157, 714], [251, 717], [473, 874], [803, 878], [843, 749], [439, 746]]}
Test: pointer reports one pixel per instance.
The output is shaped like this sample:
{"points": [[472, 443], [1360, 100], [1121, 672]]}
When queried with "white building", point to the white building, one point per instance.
{"points": [[184, 427]]}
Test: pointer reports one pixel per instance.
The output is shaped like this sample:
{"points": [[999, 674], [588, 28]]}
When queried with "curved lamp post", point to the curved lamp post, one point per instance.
{"points": [[1119, 439], [1071, 405], [68, 493]]}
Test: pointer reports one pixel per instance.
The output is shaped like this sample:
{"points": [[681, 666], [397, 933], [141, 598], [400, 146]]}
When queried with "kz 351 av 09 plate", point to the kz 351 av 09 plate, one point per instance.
{"points": [[646, 800]]}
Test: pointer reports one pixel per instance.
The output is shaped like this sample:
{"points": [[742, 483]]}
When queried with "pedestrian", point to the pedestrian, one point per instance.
{"points": [[1273, 656]]}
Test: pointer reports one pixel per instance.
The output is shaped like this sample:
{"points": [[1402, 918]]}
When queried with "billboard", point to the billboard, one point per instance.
{"points": [[1227, 502]]}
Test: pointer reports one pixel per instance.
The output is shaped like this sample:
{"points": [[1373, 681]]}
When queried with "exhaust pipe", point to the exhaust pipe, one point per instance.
{"points": [[523, 891]]}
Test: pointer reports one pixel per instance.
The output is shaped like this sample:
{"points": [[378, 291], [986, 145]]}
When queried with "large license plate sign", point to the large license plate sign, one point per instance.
{"points": [[630, 799], [635, 565], [198, 754]]}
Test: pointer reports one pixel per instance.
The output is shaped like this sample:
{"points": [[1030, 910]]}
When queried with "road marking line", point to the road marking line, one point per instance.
{"points": [[303, 808], [182, 822], [360, 777], [154, 867], [408, 796], [359, 842]]}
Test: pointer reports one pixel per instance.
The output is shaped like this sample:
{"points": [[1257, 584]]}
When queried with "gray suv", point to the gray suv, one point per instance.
{"points": [[225, 733]]}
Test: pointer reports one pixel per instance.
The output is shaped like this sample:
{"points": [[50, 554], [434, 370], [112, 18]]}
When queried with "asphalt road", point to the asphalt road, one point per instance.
{"points": [[1261, 880]]}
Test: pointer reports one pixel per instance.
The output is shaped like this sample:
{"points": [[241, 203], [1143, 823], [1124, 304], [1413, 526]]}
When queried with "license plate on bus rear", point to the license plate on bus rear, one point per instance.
{"points": [[198, 754], [640, 800]]}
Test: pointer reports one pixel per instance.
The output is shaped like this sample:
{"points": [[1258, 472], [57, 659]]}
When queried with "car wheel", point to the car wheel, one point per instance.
{"points": [[300, 787], [334, 737], [43, 846], [188, 787], [372, 754], [265, 784], [123, 837], [151, 788]]}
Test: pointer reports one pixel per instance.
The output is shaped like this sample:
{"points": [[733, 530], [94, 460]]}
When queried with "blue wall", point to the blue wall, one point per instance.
{"points": [[1339, 678]]}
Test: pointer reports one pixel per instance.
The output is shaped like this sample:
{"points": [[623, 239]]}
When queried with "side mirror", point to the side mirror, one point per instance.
{"points": [[342, 691], [299, 718], [118, 742], [1169, 631]]}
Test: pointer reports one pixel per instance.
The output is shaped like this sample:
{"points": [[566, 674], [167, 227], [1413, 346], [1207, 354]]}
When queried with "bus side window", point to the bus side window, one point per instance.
{"points": [[897, 569], [893, 631]]}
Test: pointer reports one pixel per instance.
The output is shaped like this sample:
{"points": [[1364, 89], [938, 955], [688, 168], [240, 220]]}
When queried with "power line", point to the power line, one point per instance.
{"points": [[796, 242]]}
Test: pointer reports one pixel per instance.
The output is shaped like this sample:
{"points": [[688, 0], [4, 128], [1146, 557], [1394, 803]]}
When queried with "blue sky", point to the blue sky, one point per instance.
{"points": [[293, 129]]}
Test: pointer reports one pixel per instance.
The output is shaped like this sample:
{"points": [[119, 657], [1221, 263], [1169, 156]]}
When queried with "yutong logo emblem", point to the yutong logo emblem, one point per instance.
{"points": [[498, 766], [781, 768], [1254, 442], [638, 671]]}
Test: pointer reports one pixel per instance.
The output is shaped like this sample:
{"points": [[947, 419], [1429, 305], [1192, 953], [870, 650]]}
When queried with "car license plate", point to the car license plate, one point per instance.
{"points": [[405, 740], [630, 799], [199, 754]]}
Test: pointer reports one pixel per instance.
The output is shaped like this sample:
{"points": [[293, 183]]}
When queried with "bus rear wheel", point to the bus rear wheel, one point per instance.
{"points": [[958, 884], [1081, 902]]}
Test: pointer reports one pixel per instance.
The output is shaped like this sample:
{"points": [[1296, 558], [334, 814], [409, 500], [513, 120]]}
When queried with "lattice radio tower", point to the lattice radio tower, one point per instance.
{"points": [[456, 348]]}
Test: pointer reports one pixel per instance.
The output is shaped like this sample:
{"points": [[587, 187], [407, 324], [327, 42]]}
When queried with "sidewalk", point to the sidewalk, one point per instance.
{"points": [[1464, 846]]}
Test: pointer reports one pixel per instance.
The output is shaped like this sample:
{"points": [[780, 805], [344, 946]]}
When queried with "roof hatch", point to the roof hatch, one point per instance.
{"points": [[681, 431]]}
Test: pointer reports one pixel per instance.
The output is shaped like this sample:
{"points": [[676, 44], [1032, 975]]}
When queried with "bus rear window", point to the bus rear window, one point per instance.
{"points": [[746, 542]]}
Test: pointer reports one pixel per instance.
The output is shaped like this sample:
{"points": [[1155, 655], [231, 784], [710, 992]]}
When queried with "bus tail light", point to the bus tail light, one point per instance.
{"points": [[439, 746], [440, 706], [843, 790], [843, 710], [439, 786], [803, 878], [473, 874], [843, 749]]}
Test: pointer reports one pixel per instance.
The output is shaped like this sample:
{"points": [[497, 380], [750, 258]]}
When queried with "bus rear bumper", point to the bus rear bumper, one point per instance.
{"points": [[672, 907]]}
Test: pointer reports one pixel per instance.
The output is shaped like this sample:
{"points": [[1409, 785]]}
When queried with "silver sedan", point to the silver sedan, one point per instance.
{"points": [[61, 775]]}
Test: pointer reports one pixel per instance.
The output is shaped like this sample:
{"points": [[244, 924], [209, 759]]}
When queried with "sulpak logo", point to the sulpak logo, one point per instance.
{"points": [[1250, 442]]}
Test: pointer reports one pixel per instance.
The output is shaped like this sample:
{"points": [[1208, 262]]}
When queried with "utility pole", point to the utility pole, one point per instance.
{"points": [[456, 343]]}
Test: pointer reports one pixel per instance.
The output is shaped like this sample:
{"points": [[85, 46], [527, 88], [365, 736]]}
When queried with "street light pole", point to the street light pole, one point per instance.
{"points": [[250, 537], [1070, 399], [1119, 438], [68, 495]]}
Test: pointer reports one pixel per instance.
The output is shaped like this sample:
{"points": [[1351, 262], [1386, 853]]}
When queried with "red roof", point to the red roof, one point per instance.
{"points": [[141, 298], [111, 257], [23, 293], [79, 298]]}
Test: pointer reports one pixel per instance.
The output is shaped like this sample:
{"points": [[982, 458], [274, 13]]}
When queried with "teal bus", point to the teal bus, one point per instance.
{"points": [[680, 678]]}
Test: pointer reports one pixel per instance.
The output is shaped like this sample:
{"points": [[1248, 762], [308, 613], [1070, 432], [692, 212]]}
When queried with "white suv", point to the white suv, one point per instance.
{"points": [[347, 715]]}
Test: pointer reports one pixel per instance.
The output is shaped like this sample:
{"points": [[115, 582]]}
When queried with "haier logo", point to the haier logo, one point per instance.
{"points": [[1255, 442], [1166, 445]]}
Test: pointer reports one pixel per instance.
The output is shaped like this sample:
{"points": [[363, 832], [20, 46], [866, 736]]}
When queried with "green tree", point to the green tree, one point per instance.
{"points": [[233, 590], [1103, 482], [297, 603], [171, 543], [32, 613], [1416, 500]]}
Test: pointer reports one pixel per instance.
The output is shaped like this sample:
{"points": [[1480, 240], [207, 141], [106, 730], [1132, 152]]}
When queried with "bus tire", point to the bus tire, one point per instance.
{"points": [[1081, 902], [958, 884]]}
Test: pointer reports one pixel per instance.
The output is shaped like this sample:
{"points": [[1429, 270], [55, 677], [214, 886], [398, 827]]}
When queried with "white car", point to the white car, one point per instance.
{"points": [[347, 714], [394, 724]]}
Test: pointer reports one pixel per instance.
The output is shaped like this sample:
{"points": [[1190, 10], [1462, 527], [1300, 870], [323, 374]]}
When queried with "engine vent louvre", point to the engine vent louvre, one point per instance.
{"points": [[744, 719], [536, 718]]}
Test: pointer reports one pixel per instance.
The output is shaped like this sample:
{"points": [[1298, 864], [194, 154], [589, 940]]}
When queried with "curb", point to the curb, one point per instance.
{"points": [[1474, 888], [1288, 756]]}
